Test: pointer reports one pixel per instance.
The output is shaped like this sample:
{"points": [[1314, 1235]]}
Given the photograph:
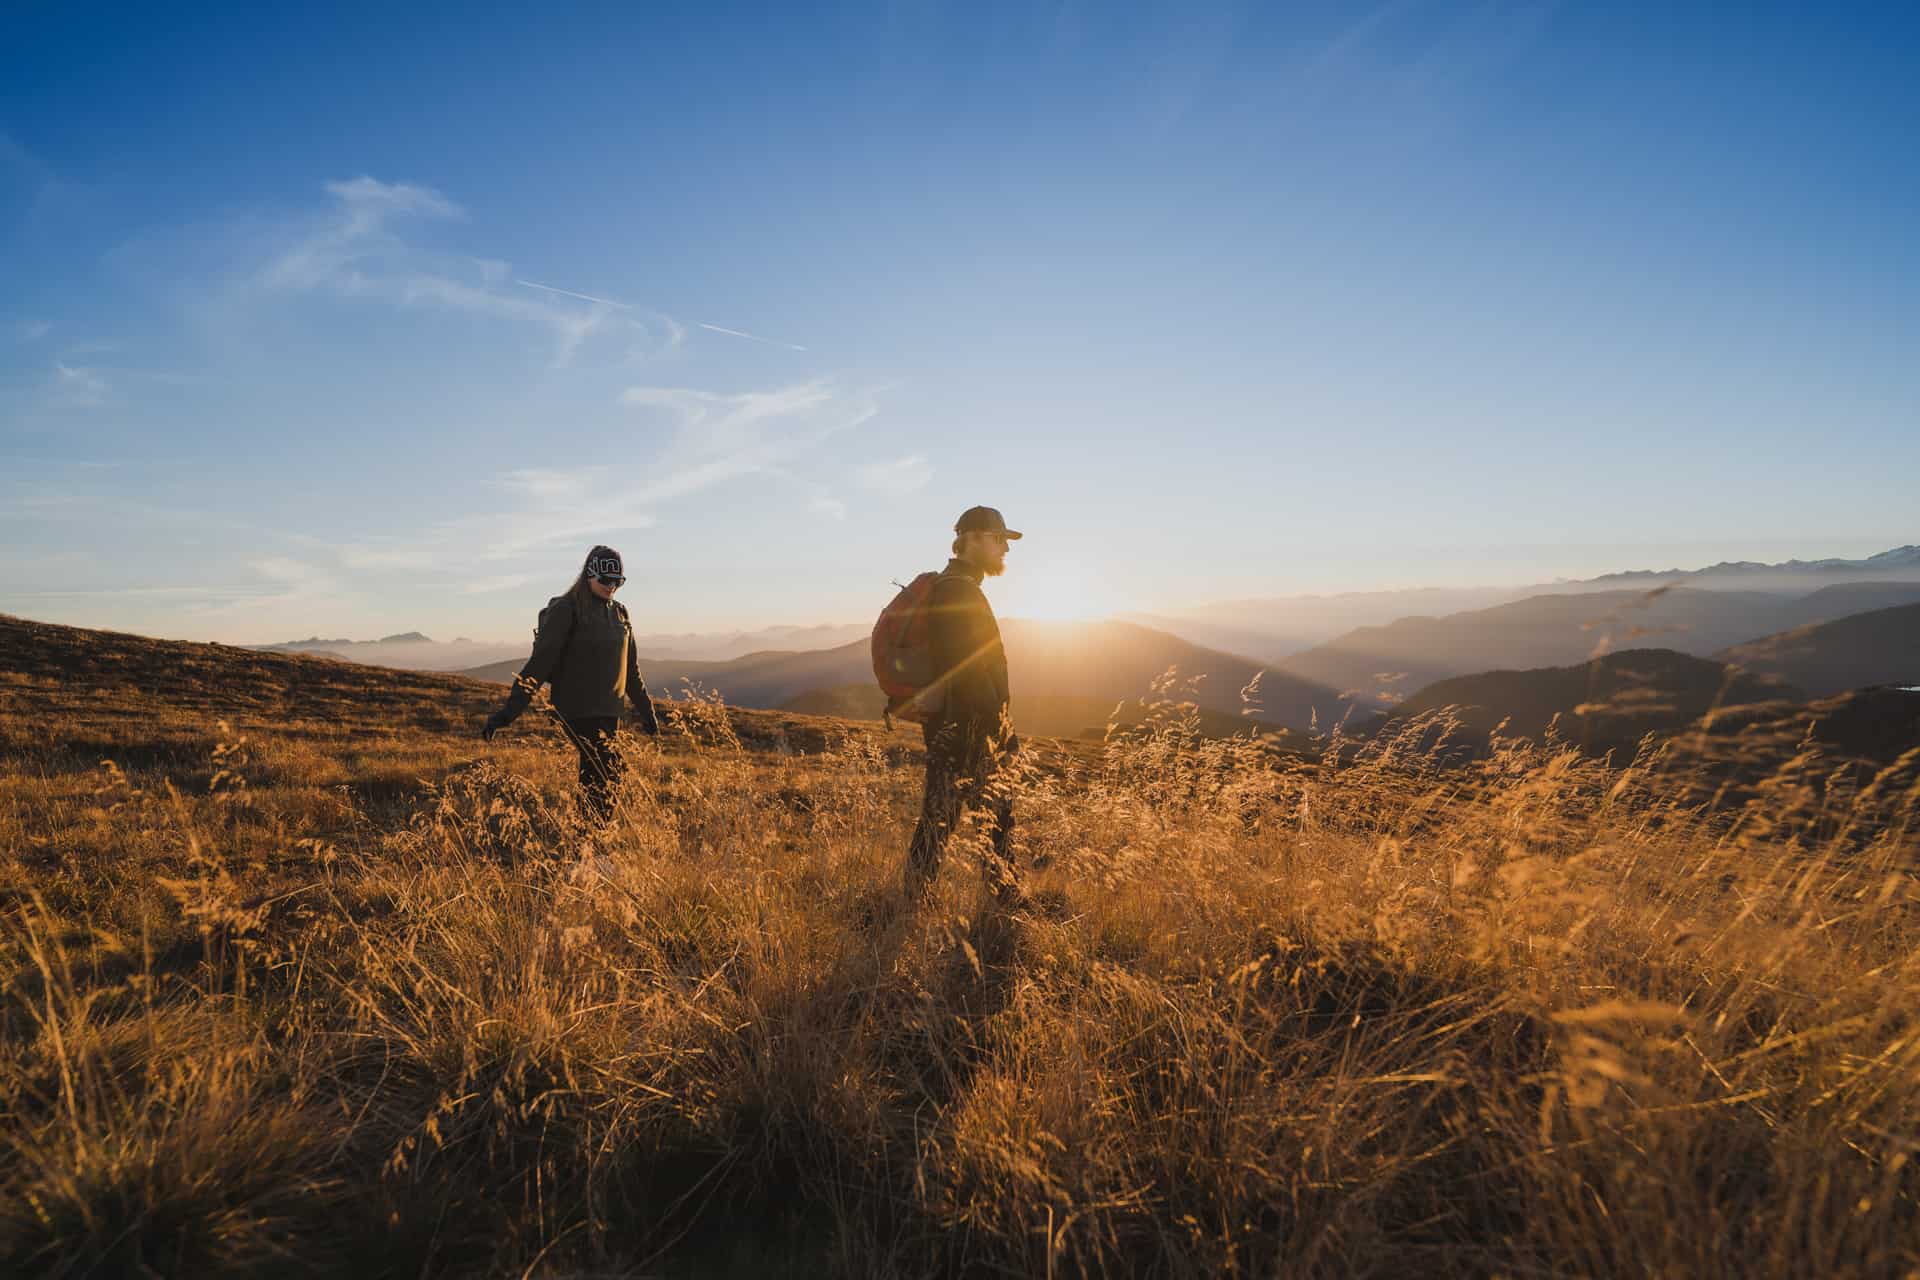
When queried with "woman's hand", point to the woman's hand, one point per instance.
{"points": [[495, 723]]}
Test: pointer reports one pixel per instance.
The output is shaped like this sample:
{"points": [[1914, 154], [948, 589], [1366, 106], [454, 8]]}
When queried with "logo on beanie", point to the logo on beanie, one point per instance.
{"points": [[604, 562]]}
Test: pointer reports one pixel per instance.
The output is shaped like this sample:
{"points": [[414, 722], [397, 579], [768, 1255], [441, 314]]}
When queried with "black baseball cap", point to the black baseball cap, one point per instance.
{"points": [[983, 520]]}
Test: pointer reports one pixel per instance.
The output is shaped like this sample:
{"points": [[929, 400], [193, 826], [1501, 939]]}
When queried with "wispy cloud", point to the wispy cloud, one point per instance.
{"points": [[117, 591], [713, 438], [350, 245], [31, 330], [486, 586], [77, 387], [291, 573], [355, 248], [902, 475], [388, 554], [687, 441], [827, 505], [751, 337]]}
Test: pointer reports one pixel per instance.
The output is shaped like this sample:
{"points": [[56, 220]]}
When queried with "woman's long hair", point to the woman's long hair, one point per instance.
{"points": [[579, 595]]}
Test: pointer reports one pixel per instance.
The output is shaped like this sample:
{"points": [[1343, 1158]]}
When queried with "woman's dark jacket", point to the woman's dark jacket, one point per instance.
{"points": [[587, 652]]}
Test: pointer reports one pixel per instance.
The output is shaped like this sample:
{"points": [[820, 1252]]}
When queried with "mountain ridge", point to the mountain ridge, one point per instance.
{"points": [[1606, 704]]}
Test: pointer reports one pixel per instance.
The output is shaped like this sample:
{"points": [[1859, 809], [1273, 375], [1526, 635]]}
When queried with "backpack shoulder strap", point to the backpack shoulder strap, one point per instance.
{"points": [[573, 624]]}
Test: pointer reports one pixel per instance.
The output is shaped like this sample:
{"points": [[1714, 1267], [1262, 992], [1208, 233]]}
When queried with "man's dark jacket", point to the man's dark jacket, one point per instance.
{"points": [[587, 652], [967, 653]]}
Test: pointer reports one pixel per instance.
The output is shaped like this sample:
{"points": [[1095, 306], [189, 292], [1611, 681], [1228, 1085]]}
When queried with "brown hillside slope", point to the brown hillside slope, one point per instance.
{"points": [[102, 688], [1874, 648], [1608, 704]]}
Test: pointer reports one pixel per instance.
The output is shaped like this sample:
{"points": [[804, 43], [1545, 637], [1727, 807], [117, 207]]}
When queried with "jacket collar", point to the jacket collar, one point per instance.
{"points": [[972, 572]]}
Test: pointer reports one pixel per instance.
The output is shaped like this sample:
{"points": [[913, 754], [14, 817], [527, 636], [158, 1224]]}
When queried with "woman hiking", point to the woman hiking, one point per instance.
{"points": [[584, 646]]}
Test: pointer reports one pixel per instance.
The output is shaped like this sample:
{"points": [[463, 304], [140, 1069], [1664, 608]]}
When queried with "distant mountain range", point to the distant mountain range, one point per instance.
{"points": [[724, 645], [1901, 563], [1345, 655], [1610, 702], [1277, 627], [408, 650], [1272, 627], [1068, 679], [1376, 666], [413, 651]]}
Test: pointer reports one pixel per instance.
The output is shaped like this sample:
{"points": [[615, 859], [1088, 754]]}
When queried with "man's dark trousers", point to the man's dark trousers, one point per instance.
{"points": [[600, 765], [960, 778]]}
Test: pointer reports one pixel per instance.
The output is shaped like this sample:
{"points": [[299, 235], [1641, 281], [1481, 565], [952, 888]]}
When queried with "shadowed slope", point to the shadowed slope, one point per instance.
{"points": [[1878, 647], [1608, 704]]}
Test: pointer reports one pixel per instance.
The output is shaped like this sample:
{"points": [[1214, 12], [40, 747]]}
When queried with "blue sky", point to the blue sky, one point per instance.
{"points": [[1212, 300]]}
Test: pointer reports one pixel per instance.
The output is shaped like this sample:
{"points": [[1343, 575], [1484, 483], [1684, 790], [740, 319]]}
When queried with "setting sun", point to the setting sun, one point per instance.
{"points": [[1057, 592]]}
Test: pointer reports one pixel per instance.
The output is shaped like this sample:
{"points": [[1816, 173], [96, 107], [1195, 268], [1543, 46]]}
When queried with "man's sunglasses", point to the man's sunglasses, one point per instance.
{"points": [[608, 579]]}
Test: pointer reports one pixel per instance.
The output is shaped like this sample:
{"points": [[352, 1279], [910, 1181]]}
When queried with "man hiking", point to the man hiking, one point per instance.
{"points": [[584, 645], [968, 735]]}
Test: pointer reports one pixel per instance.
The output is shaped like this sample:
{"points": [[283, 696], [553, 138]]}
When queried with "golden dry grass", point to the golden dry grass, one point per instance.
{"points": [[349, 994]]}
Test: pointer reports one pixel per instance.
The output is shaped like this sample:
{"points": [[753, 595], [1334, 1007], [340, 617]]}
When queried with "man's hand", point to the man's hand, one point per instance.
{"points": [[647, 718], [495, 723]]}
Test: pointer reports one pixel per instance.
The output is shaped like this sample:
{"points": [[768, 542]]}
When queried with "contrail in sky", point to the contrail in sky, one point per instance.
{"points": [[628, 306], [751, 337], [569, 293]]}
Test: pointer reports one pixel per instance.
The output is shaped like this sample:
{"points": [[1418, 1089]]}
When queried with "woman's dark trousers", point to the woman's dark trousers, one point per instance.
{"points": [[594, 738]]}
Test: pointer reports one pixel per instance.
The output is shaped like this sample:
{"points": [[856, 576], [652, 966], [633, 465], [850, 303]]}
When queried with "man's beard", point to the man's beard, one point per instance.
{"points": [[995, 569]]}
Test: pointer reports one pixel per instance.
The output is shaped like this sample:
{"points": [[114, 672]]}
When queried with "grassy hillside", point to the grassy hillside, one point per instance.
{"points": [[1379, 665], [330, 988], [1878, 647], [1067, 678], [1607, 704]]}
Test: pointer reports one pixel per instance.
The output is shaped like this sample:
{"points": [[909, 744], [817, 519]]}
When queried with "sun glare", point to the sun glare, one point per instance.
{"points": [[1053, 593]]}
